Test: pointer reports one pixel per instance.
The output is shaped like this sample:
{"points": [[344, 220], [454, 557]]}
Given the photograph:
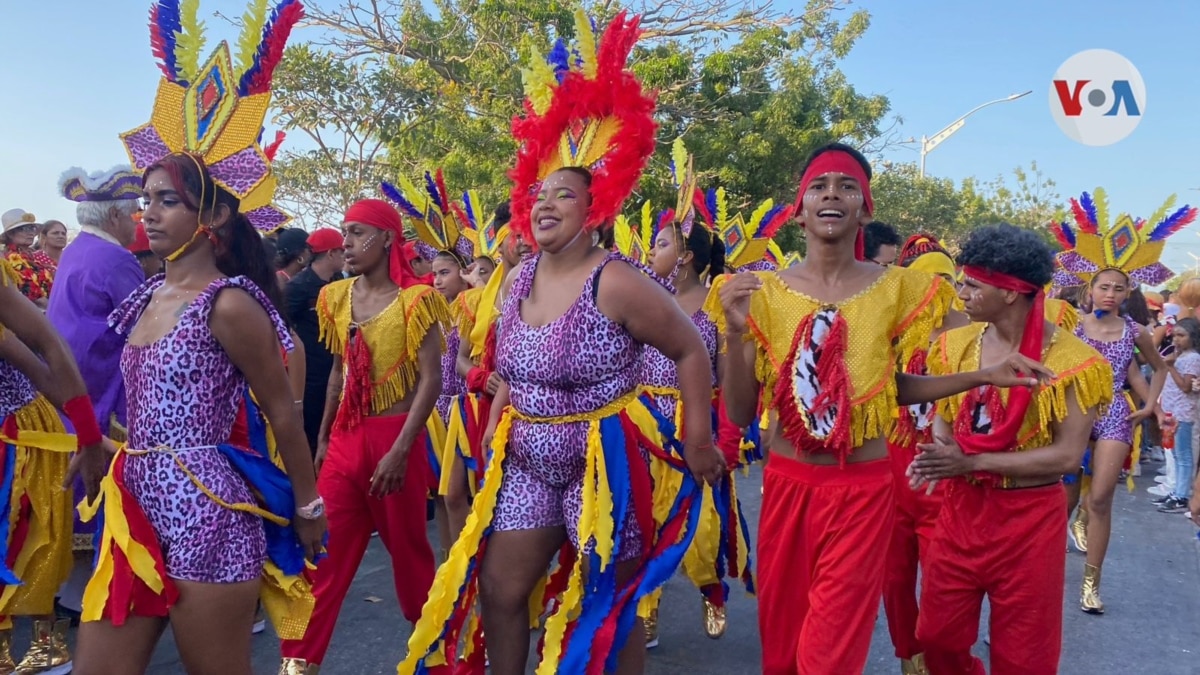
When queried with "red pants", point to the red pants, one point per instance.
{"points": [[916, 520], [822, 536], [353, 514], [1010, 545]]}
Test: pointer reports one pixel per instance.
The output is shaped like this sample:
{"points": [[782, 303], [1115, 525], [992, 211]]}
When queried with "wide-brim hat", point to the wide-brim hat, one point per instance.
{"points": [[17, 218]]}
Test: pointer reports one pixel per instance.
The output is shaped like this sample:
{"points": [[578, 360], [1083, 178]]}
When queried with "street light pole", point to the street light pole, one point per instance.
{"points": [[931, 142]]}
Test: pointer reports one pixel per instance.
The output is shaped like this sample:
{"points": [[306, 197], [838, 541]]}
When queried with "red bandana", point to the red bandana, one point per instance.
{"points": [[382, 215], [837, 161], [1006, 423]]}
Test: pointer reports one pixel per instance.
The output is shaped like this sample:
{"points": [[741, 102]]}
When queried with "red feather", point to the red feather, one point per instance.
{"points": [[442, 192], [282, 29], [273, 148], [158, 43], [701, 205], [1081, 218], [771, 228], [1057, 230]]}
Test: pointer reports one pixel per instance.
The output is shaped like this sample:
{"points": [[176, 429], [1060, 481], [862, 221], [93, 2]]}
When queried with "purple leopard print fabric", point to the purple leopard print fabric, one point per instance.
{"points": [[453, 384], [659, 371], [241, 171], [1112, 426], [183, 392], [16, 391], [577, 363]]}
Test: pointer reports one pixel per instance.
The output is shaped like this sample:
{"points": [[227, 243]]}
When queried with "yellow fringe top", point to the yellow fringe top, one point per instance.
{"points": [[1079, 368], [888, 321], [1062, 314], [393, 336], [464, 312]]}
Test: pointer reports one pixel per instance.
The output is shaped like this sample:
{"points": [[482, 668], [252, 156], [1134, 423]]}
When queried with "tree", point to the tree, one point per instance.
{"points": [[1031, 201], [750, 88]]}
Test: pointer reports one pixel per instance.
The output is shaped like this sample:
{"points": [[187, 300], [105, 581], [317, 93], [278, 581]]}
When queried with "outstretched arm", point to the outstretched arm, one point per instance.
{"points": [[1015, 371]]}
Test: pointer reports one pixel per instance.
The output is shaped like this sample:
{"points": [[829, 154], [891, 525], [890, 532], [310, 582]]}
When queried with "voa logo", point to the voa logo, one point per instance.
{"points": [[1097, 97]]}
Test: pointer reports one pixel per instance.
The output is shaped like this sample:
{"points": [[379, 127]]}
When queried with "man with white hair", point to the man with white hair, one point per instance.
{"points": [[95, 274]]}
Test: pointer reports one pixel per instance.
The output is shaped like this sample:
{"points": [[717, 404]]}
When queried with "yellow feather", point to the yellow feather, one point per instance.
{"points": [[758, 214], [679, 161], [647, 225], [587, 43], [190, 40], [722, 214], [1100, 200], [1161, 213], [539, 82], [623, 235], [253, 22]]}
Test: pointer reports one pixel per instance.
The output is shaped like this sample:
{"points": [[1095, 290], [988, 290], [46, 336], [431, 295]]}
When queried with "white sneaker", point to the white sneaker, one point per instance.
{"points": [[1160, 479], [1158, 490]]}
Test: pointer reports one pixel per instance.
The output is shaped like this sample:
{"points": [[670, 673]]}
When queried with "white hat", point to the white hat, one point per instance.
{"points": [[14, 218]]}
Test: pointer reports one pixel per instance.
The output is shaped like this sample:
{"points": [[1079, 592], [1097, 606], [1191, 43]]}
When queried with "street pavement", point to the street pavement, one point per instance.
{"points": [[1150, 590]]}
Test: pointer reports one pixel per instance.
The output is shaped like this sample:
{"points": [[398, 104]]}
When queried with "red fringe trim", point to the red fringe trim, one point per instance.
{"points": [[906, 432], [356, 397], [127, 594], [834, 379]]}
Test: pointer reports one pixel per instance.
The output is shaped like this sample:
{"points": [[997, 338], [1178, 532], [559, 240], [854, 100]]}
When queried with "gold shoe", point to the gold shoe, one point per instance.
{"points": [[48, 653], [651, 624], [7, 665], [714, 620], [298, 667], [914, 666], [1089, 600], [1079, 530]]}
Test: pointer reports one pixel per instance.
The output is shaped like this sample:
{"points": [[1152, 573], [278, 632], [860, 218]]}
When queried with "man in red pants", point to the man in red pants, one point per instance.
{"points": [[383, 330], [1002, 529]]}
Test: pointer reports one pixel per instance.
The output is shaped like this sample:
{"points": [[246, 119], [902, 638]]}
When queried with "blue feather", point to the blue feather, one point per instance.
{"points": [[766, 220], [710, 200], [431, 188], [1175, 222], [398, 199], [560, 58], [1089, 207], [469, 208], [263, 45], [1069, 232], [169, 26]]}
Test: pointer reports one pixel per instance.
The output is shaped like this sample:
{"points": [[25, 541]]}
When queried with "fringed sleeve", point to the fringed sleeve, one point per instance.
{"points": [[333, 315], [464, 311], [766, 370], [924, 307]]}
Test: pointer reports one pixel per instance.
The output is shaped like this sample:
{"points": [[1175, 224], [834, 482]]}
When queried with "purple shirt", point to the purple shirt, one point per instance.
{"points": [[94, 277]]}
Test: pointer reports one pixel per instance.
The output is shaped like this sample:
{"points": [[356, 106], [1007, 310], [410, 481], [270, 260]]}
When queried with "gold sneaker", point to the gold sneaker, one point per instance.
{"points": [[7, 665], [48, 653], [298, 667], [1079, 530], [651, 624], [714, 620], [914, 666], [1089, 595]]}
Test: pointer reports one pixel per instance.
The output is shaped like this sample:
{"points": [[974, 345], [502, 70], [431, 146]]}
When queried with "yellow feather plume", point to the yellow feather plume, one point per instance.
{"points": [[253, 22], [1100, 200], [539, 82], [190, 40], [623, 235], [757, 216], [679, 161], [647, 224], [1161, 213], [587, 43], [722, 214]]}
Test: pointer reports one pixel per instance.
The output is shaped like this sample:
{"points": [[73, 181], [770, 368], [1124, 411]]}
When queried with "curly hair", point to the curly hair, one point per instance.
{"points": [[1010, 250]]}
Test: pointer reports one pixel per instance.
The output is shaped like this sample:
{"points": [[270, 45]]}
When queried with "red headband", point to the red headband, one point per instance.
{"points": [[838, 161], [382, 215], [1004, 431]]}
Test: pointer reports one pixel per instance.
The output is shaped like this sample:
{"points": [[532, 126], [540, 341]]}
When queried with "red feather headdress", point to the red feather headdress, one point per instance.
{"points": [[584, 109]]}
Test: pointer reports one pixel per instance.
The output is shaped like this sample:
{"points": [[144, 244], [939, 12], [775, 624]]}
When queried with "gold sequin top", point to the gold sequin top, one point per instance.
{"points": [[887, 322], [1062, 314], [393, 336], [1080, 370], [463, 313]]}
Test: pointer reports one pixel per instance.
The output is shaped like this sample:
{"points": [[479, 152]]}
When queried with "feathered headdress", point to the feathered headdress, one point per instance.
{"points": [[485, 237], [116, 184], [1091, 245], [746, 243], [584, 109], [216, 110], [636, 240], [439, 222], [780, 260]]}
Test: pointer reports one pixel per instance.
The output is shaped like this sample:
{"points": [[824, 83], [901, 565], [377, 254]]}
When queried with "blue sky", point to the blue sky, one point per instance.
{"points": [[70, 94]]}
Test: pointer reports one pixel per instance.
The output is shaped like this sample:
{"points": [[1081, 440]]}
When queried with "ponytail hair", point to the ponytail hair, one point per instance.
{"points": [[708, 252], [238, 247]]}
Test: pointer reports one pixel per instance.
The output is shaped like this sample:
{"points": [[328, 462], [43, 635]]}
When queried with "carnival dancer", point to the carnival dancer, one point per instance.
{"points": [[1108, 259], [438, 222], [916, 512], [687, 251], [476, 312], [36, 509], [373, 469], [34, 268], [95, 275], [1003, 454], [828, 325], [184, 538], [568, 462]]}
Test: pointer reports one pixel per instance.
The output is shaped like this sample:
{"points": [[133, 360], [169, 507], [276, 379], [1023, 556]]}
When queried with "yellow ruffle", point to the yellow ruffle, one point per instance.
{"points": [[288, 602], [393, 336], [487, 310]]}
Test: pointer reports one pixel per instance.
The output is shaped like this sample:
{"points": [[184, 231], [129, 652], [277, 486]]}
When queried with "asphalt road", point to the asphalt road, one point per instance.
{"points": [[1150, 591]]}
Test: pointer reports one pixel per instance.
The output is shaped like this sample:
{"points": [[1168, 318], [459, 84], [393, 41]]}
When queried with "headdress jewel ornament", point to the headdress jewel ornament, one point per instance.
{"points": [[438, 221], [1091, 245], [116, 184], [485, 238], [584, 109], [215, 111]]}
